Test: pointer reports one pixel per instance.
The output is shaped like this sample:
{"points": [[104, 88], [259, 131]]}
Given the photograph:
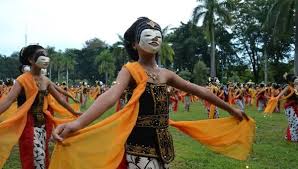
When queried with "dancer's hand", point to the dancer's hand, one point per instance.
{"points": [[64, 130], [239, 114]]}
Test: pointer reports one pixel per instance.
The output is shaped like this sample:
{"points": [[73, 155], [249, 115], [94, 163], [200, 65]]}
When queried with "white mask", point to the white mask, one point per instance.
{"points": [[150, 40], [42, 62]]}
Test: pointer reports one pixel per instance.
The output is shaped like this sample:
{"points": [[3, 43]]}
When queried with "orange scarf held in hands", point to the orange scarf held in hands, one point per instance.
{"points": [[102, 146], [12, 126]]}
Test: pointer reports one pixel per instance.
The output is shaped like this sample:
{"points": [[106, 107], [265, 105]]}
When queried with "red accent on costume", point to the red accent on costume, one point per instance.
{"points": [[118, 107], [288, 134], [123, 164], [291, 103], [26, 142], [174, 103]]}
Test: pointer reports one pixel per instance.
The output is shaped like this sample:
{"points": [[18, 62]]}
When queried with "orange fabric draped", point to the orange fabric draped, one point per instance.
{"points": [[227, 136], [271, 105], [212, 111], [101, 146], [57, 108], [9, 112], [13, 125], [12, 128]]}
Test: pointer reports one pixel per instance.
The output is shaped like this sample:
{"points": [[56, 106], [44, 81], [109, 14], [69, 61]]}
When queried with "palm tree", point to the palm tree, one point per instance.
{"points": [[69, 62], [281, 18], [211, 11], [57, 63], [166, 53], [119, 51], [51, 53], [106, 64], [166, 50]]}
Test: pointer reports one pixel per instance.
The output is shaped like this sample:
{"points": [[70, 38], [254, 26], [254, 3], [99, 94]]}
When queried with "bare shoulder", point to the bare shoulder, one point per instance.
{"points": [[124, 76], [124, 73], [166, 74]]}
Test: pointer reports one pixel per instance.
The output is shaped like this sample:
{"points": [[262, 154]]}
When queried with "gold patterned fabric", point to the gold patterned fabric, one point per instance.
{"points": [[37, 108], [150, 136]]}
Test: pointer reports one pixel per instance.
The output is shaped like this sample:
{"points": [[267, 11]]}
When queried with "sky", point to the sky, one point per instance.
{"points": [[69, 23]]}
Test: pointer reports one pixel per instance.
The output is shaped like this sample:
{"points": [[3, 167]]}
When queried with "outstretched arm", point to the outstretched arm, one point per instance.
{"points": [[56, 95], [107, 99], [65, 93], [202, 92], [11, 97], [283, 92]]}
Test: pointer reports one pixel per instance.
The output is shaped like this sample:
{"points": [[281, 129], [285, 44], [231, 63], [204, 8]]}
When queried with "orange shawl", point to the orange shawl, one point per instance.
{"points": [[102, 146], [12, 126], [271, 105]]}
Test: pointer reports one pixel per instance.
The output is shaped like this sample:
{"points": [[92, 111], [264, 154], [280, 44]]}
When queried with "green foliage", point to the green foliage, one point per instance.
{"points": [[166, 54], [200, 73], [86, 67], [106, 65], [119, 53], [212, 12], [189, 45], [9, 67], [185, 74]]}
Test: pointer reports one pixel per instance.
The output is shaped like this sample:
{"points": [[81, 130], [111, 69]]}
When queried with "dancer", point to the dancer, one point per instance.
{"points": [[33, 143], [142, 125], [291, 106]]}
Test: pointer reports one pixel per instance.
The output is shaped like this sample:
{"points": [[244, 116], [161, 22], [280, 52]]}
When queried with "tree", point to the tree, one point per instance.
{"points": [[9, 67], [166, 51], [189, 45], [85, 67], [226, 53], [106, 64], [69, 61], [211, 11], [51, 53], [57, 63], [200, 73], [283, 19], [248, 34], [119, 53], [185, 74]]}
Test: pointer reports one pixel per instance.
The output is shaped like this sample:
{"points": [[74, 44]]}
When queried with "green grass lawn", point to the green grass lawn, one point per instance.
{"points": [[270, 150]]}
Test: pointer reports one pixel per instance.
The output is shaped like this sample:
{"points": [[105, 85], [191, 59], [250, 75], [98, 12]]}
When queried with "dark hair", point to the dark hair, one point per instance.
{"points": [[275, 86], [9, 82], [27, 52], [289, 78], [132, 35]]}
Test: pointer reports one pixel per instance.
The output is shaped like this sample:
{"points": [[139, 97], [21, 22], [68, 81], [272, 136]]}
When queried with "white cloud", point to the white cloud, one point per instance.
{"points": [[69, 23]]}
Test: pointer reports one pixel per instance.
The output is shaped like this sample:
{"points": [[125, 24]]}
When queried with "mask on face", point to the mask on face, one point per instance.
{"points": [[150, 40], [42, 62]]}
